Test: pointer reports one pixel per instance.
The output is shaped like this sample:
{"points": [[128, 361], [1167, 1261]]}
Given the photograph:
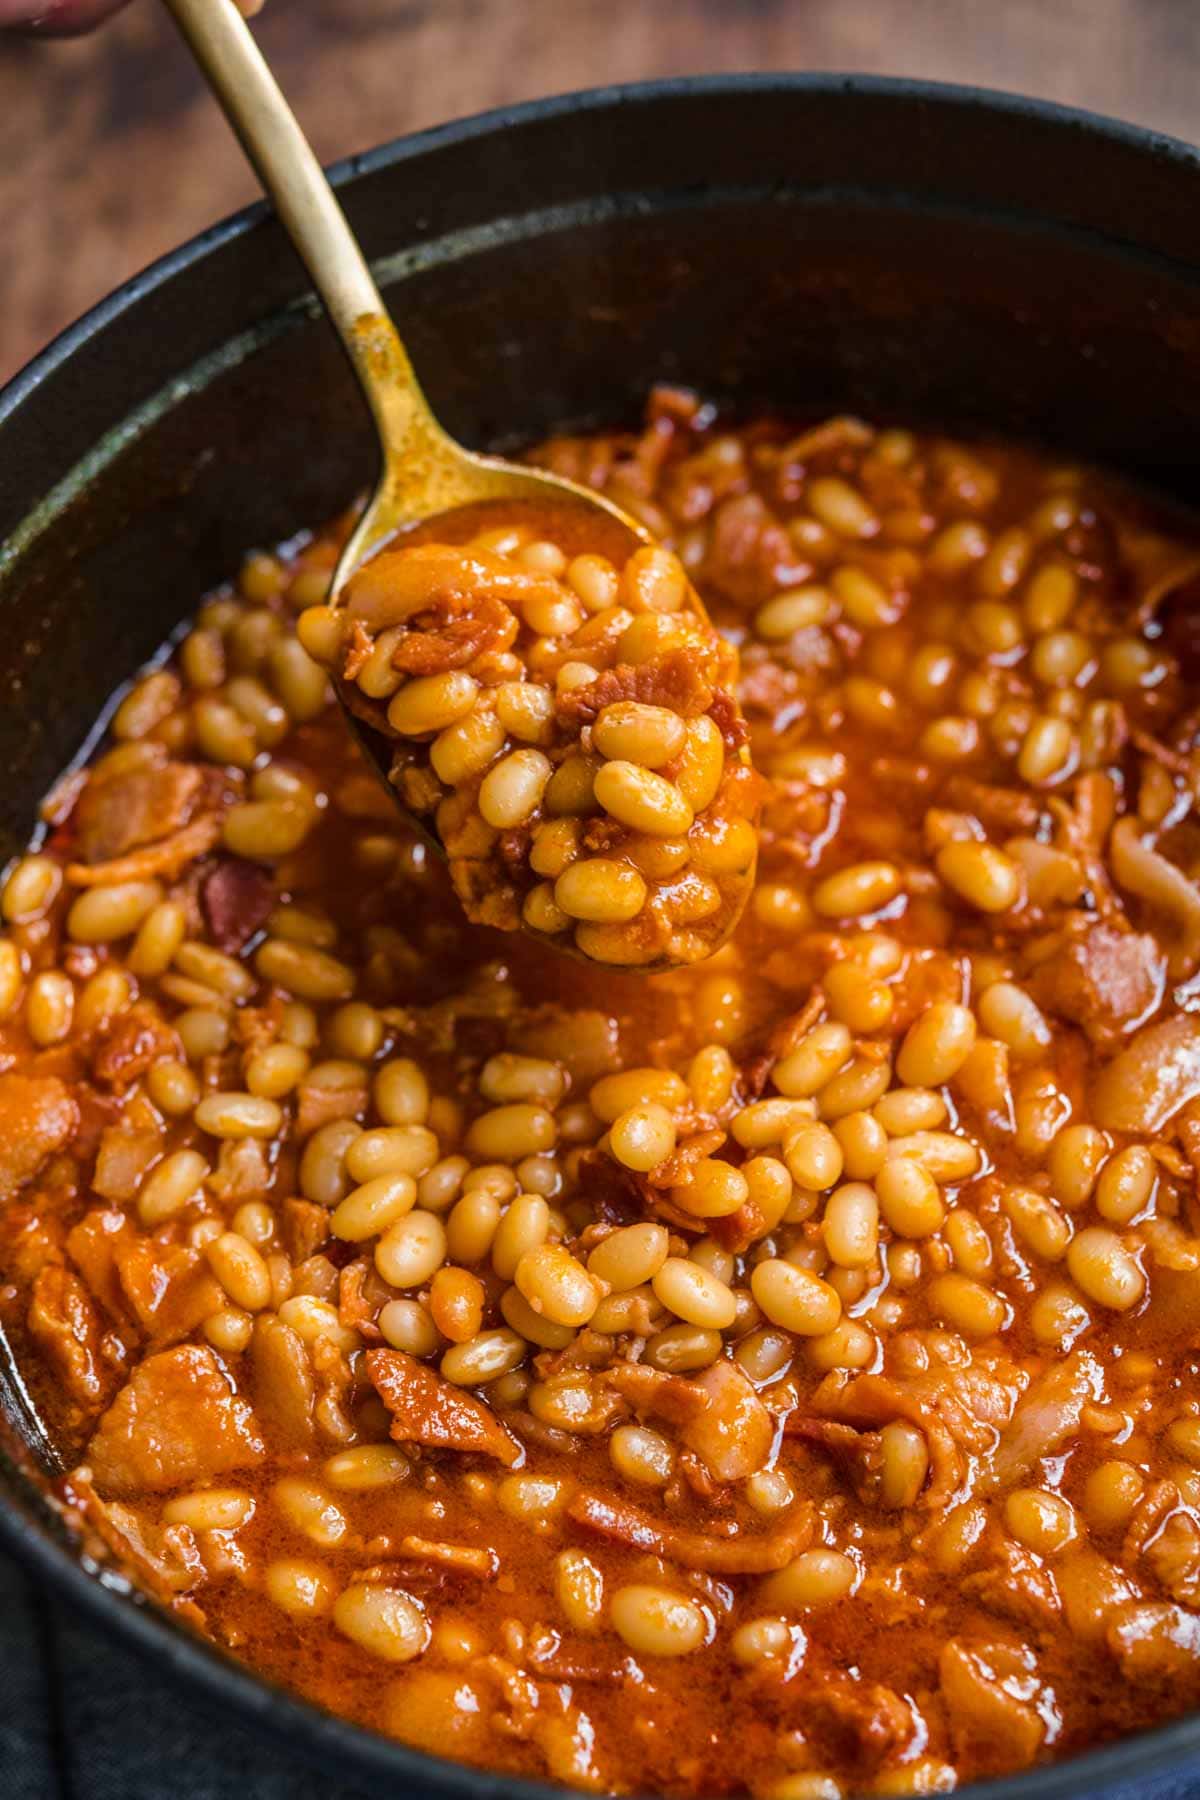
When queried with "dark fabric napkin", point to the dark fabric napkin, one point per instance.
{"points": [[82, 1718]]}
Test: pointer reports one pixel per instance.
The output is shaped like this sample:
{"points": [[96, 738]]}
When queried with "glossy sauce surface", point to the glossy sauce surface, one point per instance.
{"points": [[774, 1376]]}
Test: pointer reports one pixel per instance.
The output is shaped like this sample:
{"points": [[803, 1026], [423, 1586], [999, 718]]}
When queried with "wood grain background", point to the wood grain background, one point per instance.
{"points": [[110, 152]]}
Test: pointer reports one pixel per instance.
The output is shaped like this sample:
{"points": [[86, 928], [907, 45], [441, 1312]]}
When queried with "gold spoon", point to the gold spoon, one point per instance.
{"points": [[424, 472]]}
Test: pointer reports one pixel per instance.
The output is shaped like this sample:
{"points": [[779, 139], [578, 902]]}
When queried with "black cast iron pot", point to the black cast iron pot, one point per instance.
{"points": [[811, 243]]}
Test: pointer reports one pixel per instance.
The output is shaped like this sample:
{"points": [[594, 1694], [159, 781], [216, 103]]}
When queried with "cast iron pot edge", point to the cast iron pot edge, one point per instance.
{"points": [[26, 1529]]}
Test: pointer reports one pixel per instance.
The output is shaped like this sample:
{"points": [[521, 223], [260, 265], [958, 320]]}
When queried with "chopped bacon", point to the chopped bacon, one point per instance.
{"points": [[38, 1116], [855, 1454], [167, 858], [133, 1043], [122, 1159], [992, 1698], [176, 1423], [733, 1434], [169, 1286], [1015, 1584], [359, 646], [462, 1559], [878, 1721], [236, 899], [317, 1106], [426, 1409], [750, 551], [357, 1310], [653, 1391], [397, 585], [728, 720], [305, 1227], [116, 813], [1156, 1644], [678, 1169], [63, 1324], [166, 1558], [1107, 980], [242, 1172], [741, 1555], [92, 1245], [999, 808], [675, 680], [1044, 1420], [870, 1400], [736, 1231], [454, 631], [611, 1191]]}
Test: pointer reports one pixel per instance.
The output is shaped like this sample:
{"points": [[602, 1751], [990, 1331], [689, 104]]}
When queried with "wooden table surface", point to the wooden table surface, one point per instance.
{"points": [[110, 152]]}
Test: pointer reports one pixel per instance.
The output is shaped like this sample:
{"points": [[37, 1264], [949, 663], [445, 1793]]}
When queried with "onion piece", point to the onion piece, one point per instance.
{"points": [[1141, 870], [1158, 1072]]}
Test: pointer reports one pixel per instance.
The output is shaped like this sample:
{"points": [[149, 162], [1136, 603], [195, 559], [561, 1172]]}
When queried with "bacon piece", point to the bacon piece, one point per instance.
{"points": [[357, 1310], [1157, 1645], [453, 632], [1107, 981], [92, 1246], [63, 1324], [116, 813], [654, 1391], [870, 1400], [592, 1663], [242, 1171], [169, 1286], [305, 1227], [728, 720], [122, 1159], [428, 1410], [993, 1698], [744, 1555], [37, 1117], [1044, 1420], [877, 1720], [236, 899], [131, 1045], [750, 550], [166, 1558], [999, 808], [463, 1559], [855, 1454], [1015, 1585], [611, 1191], [676, 680], [167, 857], [177, 1422], [733, 1435], [317, 1106]]}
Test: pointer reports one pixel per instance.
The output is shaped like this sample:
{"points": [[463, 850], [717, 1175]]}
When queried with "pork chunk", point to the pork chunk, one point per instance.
{"points": [[176, 1422], [137, 806], [64, 1326], [1107, 981], [37, 1117], [428, 1410]]}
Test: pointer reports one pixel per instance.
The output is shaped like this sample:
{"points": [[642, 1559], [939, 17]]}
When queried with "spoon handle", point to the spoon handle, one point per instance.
{"points": [[250, 97]]}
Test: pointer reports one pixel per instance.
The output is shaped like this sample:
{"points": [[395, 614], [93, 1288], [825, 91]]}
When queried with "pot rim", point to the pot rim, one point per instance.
{"points": [[37, 1537]]}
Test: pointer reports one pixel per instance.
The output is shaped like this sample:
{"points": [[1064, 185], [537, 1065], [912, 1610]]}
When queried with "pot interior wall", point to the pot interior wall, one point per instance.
{"points": [[805, 302]]}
